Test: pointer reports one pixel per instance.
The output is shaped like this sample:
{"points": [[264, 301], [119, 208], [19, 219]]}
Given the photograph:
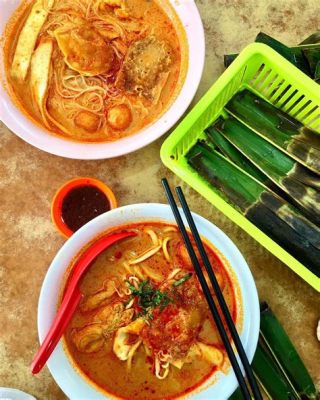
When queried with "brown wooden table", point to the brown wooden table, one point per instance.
{"points": [[29, 179]]}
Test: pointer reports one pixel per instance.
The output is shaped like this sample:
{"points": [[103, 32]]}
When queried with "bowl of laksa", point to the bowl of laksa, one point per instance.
{"points": [[143, 330], [94, 79]]}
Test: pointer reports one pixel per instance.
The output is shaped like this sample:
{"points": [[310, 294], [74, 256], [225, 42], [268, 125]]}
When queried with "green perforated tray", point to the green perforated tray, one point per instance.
{"points": [[260, 69]]}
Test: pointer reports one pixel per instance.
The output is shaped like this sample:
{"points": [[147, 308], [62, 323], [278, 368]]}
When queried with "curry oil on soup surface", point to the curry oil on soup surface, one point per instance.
{"points": [[143, 329], [95, 70]]}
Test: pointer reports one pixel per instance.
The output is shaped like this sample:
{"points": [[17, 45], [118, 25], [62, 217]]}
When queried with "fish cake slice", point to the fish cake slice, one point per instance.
{"points": [[40, 74], [28, 37]]}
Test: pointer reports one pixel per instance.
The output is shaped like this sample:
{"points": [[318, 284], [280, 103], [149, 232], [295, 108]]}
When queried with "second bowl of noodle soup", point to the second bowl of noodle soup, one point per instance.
{"points": [[143, 329], [97, 79]]}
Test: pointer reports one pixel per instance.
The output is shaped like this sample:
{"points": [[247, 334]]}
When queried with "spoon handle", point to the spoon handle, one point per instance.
{"points": [[72, 298], [68, 306]]}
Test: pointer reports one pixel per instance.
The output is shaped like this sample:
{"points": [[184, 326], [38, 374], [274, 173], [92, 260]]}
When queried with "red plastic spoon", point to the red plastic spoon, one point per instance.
{"points": [[71, 298]]}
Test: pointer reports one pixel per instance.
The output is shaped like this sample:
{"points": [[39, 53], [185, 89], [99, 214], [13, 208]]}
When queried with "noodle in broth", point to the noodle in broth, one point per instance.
{"points": [[143, 330], [94, 70]]}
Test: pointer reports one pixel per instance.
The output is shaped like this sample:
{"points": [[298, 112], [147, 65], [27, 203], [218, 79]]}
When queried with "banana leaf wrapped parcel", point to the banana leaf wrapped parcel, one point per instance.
{"points": [[264, 208]]}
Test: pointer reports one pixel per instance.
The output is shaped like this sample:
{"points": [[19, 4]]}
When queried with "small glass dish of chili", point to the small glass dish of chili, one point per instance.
{"points": [[78, 201]]}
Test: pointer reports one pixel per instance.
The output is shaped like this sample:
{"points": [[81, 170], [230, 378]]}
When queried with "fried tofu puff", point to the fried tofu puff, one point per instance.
{"points": [[145, 61]]}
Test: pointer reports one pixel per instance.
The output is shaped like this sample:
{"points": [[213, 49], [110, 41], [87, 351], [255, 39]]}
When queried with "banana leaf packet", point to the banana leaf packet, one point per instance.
{"points": [[277, 365], [305, 56]]}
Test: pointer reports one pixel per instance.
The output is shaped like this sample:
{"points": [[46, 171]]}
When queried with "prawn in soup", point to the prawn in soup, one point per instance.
{"points": [[95, 70], [143, 330]]}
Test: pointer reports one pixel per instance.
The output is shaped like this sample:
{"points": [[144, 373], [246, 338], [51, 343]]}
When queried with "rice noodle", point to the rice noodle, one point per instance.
{"points": [[142, 109], [98, 15], [147, 350], [161, 369], [151, 274], [118, 50], [172, 278], [170, 229], [174, 273], [121, 291], [70, 93], [145, 255], [130, 304], [139, 273], [132, 352], [153, 236], [133, 270], [88, 92], [82, 93], [164, 356], [127, 267], [165, 242], [60, 6], [134, 281], [119, 47]]}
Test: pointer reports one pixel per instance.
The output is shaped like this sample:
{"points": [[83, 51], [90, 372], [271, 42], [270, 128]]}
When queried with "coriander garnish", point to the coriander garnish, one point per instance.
{"points": [[182, 280], [149, 298]]}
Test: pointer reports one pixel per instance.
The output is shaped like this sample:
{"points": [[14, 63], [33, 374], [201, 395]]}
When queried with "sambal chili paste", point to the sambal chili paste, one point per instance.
{"points": [[82, 204]]}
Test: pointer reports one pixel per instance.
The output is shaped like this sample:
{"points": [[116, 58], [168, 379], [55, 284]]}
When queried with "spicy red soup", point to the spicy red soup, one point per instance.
{"points": [[143, 330], [95, 70]]}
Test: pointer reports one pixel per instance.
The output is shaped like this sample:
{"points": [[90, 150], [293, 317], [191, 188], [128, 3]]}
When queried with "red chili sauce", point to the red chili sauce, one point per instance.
{"points": [[82, 204]]}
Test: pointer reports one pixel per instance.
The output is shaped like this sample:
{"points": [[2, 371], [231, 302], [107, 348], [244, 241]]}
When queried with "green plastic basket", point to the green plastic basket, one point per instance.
{"points": [[260, 69]]}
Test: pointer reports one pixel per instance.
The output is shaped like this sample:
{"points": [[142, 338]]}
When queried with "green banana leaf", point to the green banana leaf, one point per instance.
{"points": [[317, 73], [269, 212], [276, 354], [231, 152], [283, 350], [304, 56], [234, 155], [294, 54], [283, 131], [312, 39], [300, 184], [312, 54], [269, 376], [228, 59]]}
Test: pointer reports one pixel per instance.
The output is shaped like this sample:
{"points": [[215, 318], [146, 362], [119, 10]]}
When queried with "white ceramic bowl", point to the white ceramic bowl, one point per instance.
{"points": [[70, 381], [42, 139]]}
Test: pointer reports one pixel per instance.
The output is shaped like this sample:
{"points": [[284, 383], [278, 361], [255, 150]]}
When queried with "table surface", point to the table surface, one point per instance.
{"points": [[29, 179]]}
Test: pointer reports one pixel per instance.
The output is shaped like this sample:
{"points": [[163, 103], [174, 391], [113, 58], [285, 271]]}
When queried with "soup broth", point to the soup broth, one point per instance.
{"points": [[143, 330], [95, 70]]}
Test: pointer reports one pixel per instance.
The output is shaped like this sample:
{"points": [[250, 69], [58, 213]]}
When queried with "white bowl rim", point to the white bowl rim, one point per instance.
{"points": [[33, 134], [73, 385]]}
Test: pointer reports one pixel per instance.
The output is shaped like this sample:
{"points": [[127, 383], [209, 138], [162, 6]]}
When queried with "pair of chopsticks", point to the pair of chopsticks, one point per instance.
{"points": [[211, 302]]}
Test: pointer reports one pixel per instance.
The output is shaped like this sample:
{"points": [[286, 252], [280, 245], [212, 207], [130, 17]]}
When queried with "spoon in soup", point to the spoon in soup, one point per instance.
{"points": [[72, 297]]}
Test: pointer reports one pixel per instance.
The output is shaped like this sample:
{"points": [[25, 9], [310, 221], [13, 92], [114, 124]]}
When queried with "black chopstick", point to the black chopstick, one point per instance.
{"points": [[225, 310], [206, 291]]}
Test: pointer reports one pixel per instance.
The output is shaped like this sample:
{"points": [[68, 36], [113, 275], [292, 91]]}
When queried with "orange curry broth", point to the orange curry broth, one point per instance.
{"points": [[167, 26], [110, 375]]}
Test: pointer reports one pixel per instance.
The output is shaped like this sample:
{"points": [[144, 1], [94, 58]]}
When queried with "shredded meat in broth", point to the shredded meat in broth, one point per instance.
{"points": [[144, 320], [94, 70]]}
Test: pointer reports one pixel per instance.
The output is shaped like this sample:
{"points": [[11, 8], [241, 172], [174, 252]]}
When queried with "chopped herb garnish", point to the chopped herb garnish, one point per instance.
{"points": [[182, 280], [149, 298]]}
